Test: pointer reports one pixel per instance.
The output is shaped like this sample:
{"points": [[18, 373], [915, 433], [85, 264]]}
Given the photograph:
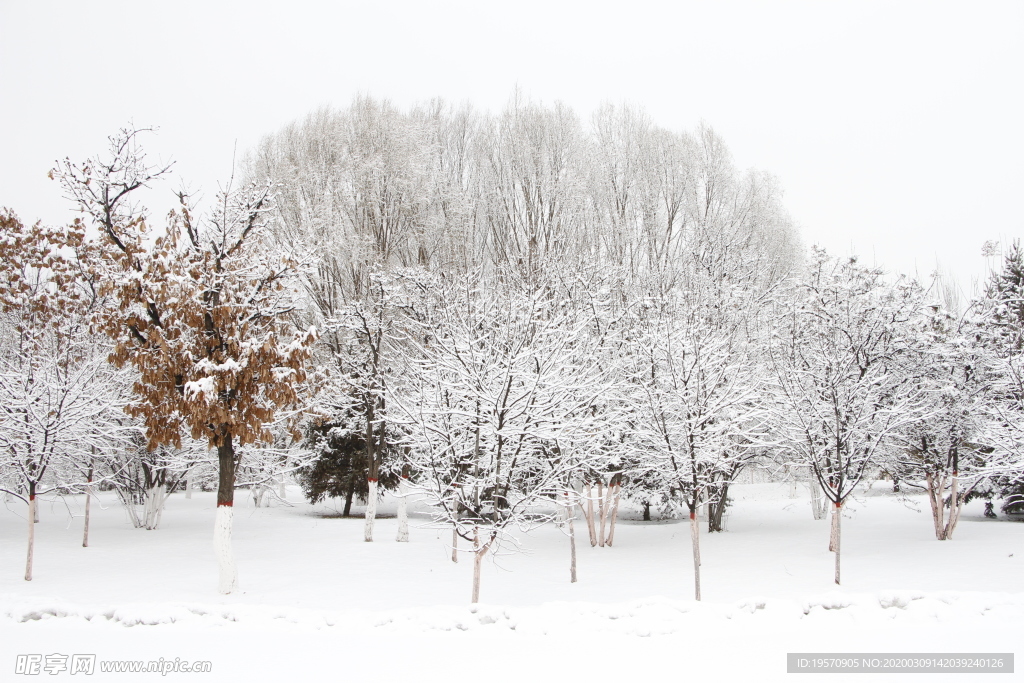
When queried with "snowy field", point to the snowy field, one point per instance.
{"points": [[316, 602]]}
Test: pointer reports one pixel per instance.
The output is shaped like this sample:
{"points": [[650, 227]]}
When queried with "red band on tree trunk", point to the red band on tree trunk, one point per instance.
{"points": [[226, 505], [371, 480], [32, 496], [693, 515]]}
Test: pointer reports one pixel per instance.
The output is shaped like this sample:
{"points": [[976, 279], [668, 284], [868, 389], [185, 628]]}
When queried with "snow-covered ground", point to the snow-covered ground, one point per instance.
{"points": [[317, 601]]}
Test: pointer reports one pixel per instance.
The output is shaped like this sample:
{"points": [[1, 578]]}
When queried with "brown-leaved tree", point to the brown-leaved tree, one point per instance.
{"points": [[203, 314]]}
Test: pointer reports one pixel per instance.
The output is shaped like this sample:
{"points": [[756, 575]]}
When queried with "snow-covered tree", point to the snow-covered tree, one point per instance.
{"points": [[367, 348], [1000, 313], [60, 399], [144, 478], [201, 314], [532, 182], [338, 467], [945, 446], [500, 393], [698, 409], [841, 351]]}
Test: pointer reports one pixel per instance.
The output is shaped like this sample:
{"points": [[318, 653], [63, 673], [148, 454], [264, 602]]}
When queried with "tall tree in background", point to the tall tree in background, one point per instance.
{"points": [[519, 200], [358, 186], [201, 313], [533, 187]]}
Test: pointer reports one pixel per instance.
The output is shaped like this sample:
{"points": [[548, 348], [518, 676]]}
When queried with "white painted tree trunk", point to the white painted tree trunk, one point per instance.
{"points": [[602, 512], [570, 513], [147, 507], [161, 500], [695, 543], [222, 549], [818, 509], [35, 513], [403, 511], [614, 513], [833, 531], [154, 504], [282, 494], [837, 515], [455, 545], [589, 512], [133, 513], [88, 502], [188, 485], [371, 509], [31, 536]]}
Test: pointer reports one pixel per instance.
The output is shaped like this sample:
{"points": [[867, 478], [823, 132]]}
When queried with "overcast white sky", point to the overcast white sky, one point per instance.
{"points": [[897, 128]]}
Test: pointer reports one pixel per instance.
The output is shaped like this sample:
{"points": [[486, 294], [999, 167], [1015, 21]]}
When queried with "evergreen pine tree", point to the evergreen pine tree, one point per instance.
{"points": [[1005, 295], [1004, 304]]}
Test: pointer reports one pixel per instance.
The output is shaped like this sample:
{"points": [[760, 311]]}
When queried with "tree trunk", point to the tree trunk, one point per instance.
{"points": [[614, 513], [570, 511], [833, 532], [403, 510], [188, 485], [371, 477], [156, 496], [147, 507], [647, 511], [129, 505], [348, 497], [717, 510], [818, 506], [478, 556], [936, 489], [695, 543], [281, 493], [602, 510], [589, 512], [160, 507], [455, 545], [31, 532], [228, 582], [88, 501], [837, 514], [371, 509], [954, 506]]}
